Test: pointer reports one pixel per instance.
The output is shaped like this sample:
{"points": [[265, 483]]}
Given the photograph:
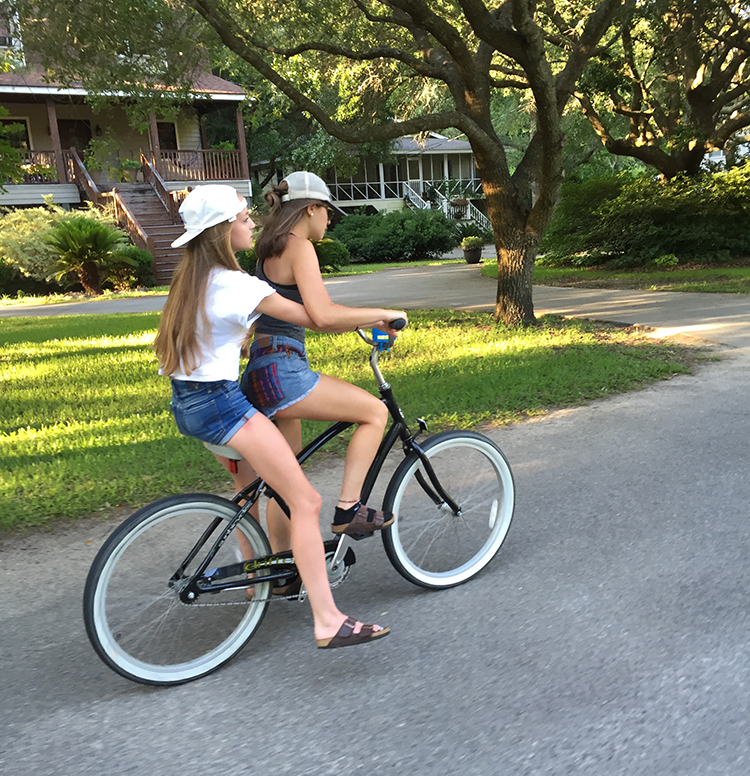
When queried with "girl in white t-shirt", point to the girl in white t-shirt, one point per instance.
{"points": [[211, 306]]}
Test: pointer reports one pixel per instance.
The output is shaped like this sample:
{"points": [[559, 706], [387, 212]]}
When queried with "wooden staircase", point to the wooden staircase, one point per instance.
{"points": [[142, 200]]}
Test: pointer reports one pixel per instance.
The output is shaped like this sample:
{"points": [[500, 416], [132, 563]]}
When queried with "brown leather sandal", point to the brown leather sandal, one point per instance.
{"points": [[365, 520], [346, 637]]}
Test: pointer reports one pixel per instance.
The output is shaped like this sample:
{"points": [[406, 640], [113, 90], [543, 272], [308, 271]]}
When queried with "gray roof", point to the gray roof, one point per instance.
{"points": [[432, 144]]}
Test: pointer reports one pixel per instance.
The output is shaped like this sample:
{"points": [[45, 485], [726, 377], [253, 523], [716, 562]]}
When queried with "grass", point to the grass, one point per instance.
{"points": [[717, 279], [365, 269], [85, 423]]}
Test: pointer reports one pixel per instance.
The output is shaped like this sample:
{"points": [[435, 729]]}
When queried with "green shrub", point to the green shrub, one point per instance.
{"points": [[137, 271], [332, 254], [705, 219], [569, 237], [23, 243], [401, 235], [86, 251]]}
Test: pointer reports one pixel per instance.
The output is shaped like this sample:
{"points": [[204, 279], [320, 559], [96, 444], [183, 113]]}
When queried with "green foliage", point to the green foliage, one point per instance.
{"points": [[247, 260], [99, 152], [472, 241], [632, 224], [571, 233], [332, 254], [401, 235], [131, 268], [85, 248]]}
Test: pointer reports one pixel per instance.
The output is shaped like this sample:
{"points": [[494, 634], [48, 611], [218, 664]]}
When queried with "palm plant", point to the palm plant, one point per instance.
{"points": [[85, 247]]}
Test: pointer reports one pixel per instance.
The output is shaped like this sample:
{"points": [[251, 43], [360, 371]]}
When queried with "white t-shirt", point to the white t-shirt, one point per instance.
{"points": [[231, 299]]}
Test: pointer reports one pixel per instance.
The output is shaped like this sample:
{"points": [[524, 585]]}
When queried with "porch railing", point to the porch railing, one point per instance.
{"points": [[170, 199], [200, 165], [414, 198], [41, 167], [352, 191], [126, 218], [81, 177]]}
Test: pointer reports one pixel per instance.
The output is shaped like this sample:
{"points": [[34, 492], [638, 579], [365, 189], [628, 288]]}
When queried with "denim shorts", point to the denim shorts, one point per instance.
{"points": [[212, 412], [278, 375]]}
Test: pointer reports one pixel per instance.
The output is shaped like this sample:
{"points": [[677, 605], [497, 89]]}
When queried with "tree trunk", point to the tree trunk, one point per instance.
{"points": [[515, 266], [88, 276], [508, 211]]}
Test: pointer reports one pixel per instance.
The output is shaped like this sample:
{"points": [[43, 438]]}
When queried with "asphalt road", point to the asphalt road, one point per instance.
{"points": [[609, 636]]}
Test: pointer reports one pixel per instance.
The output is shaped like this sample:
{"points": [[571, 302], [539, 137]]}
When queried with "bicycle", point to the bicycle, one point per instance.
{"points": [[165, 598]]}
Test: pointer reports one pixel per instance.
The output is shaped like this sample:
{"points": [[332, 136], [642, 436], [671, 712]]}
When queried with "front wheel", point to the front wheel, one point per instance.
{"points": [[134, 616], [432, 544]]}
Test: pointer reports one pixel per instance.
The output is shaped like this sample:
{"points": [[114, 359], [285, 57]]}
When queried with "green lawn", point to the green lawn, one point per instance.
{"points": [[85, 423], [727, 280]]}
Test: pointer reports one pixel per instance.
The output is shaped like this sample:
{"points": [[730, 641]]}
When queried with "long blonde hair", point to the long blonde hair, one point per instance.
{"points": [[284, 216], [176, 342]]}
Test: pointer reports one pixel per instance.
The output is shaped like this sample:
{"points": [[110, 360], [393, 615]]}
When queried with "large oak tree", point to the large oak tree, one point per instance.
{"points": [[680, 75]]}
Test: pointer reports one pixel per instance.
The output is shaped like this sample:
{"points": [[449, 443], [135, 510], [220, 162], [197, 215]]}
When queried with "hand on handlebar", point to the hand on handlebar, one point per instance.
{"points": [[397, 321]]}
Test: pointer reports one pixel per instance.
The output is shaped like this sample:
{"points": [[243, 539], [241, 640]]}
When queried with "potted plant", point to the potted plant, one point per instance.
{"points": [[128, 169], [472, 248]]}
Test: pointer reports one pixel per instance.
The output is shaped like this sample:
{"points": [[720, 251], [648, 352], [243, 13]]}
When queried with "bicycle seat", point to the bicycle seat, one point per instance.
{"points": [[225, 450]]}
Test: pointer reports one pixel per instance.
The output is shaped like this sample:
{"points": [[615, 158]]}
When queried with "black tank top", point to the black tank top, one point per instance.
{"points": [[273, 326]]}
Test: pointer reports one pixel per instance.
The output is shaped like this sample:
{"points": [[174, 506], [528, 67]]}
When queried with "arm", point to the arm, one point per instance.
{"points": [[326, 314], [277, 307]]}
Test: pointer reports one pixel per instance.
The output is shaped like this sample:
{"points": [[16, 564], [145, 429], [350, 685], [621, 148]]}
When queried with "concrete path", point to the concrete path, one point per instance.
{"points": [[609, 637]]}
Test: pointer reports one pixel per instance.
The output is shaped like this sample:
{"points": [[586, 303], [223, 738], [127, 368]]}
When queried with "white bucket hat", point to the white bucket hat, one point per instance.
{"points": [[307, 185], [206, 206]]}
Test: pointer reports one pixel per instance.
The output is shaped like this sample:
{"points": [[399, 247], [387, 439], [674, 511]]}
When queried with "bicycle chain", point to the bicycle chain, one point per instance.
{"points": [[266, 600]]}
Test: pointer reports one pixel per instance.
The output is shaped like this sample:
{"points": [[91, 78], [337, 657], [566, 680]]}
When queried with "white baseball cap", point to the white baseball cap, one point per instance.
{"points": [[307, 185], [206, 206]]}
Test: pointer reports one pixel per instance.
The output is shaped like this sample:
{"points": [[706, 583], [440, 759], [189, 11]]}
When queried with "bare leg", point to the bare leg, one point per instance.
{"points": [[264, 447], [334, 399], [279, 532]]}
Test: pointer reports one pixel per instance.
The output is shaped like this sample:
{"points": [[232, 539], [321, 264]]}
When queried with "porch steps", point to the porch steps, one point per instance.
{"points": [[154, 218]]}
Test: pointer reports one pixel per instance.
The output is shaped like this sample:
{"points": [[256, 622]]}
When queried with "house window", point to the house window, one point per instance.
{"points": [[6, 41], [18, 137], [167, 135]]}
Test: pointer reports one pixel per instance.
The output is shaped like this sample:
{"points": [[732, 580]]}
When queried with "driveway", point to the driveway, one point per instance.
{"points": [[609, 637]]}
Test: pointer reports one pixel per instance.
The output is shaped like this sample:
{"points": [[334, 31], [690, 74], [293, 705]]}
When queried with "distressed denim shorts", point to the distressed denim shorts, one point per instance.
{"points": [[212, 412], [278, 375]]}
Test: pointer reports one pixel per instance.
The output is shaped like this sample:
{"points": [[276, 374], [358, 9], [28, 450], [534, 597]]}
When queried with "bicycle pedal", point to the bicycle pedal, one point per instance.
{"points": [[358, 536]]}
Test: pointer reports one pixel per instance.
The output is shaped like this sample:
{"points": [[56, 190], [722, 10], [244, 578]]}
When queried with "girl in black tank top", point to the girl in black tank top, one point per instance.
{"points": [[279, 380]]}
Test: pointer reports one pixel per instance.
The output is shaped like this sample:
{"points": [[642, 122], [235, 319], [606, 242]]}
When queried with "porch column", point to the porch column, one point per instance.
{"points": [[154, 135], [381, 172], [242, 145], [445, 166], [56, 144]]}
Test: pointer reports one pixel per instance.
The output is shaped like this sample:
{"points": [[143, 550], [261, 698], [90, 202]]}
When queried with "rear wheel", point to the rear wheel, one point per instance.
{"points": [[133, 613], [429, 543]]}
